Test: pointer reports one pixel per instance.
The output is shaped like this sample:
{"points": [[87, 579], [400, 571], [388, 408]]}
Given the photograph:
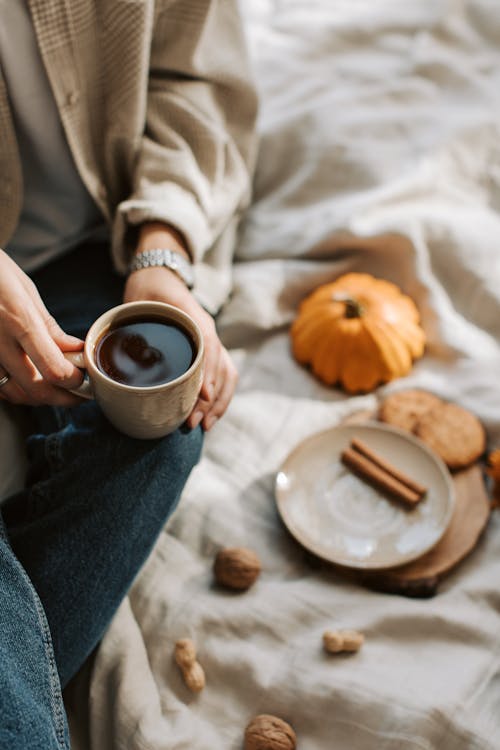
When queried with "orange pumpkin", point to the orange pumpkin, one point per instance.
{"points": [[357, 331]]}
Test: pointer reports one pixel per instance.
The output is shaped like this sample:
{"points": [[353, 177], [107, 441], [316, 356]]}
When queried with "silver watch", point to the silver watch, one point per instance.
{"points": [[162, 256]]}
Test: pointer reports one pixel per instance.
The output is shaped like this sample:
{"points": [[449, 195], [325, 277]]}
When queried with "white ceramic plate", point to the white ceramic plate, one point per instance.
{"points": [[343, 519]]}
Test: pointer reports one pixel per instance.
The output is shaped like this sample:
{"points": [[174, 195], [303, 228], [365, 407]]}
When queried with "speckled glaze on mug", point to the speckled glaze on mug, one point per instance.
{"points": [[141, 411]]}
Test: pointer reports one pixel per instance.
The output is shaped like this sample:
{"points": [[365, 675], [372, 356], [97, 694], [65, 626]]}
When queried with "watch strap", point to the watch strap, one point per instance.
{"points": [[162, 256]]}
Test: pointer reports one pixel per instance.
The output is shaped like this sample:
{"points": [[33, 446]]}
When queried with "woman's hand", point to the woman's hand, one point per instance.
{"points": [[220, 375], [32, 344]]}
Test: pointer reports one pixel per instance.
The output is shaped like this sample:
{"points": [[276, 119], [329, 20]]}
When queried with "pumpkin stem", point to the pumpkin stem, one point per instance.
{"points": [[353, 308]]}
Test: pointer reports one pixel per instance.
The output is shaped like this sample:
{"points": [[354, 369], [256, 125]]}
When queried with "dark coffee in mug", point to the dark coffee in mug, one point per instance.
{"points": [[144, 352]]}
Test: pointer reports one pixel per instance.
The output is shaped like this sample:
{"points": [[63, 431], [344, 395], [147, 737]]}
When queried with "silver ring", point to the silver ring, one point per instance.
{"points": [[4, 380]]}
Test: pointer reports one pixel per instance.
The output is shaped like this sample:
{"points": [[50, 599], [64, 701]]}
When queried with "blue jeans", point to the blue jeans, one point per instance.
{"points": [[73, 540]]}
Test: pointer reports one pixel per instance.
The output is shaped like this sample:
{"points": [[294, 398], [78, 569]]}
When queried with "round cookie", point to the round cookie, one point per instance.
{"points": [[453, 433], [404, 408]]}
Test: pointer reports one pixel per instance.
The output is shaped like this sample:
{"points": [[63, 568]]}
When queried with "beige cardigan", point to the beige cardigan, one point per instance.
{"points": [[159, 111]]}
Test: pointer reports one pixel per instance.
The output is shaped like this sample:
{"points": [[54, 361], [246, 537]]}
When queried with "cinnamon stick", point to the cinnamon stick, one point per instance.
{"points": [[378, 477], [362, 448]]}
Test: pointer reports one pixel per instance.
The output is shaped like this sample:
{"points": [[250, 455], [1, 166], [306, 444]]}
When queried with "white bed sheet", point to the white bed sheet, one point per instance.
{"points": [[380, 152]]}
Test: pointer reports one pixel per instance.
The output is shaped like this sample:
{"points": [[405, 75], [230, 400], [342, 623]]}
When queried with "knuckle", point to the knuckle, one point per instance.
{"points": [[30, 286], [55, 373], [51, 323], [218, 408], [20, 324], [203, 407]]}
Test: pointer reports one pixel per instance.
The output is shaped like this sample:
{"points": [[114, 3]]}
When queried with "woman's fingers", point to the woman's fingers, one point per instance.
{"points": [[212, 376], [32, 344], [16, 395], [26, 384], [227, 385], [10, 391], [219, 382], [46, 356], [62, 339], [224, 378], [211, 361], [37, 364]]}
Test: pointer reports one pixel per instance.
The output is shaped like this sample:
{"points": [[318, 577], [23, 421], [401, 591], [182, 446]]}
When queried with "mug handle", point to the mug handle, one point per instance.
{"points": [[85, 389]]}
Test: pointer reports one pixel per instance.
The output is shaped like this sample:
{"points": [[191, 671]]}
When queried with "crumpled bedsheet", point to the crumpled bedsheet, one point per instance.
{"points": [[380, 152]]}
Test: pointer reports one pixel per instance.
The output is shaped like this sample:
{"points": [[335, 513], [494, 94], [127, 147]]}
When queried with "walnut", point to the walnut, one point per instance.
{"points": [[236, 567], [266, 732]]}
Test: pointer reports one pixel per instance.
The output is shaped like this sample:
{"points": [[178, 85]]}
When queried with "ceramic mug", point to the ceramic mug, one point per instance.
{"points": [[141, 411]]}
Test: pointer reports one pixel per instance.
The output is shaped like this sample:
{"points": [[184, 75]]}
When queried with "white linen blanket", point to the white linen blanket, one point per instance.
{"points": [[380, 152]]}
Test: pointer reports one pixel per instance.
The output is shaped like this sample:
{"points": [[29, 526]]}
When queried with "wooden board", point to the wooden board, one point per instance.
{"points": [[421, 577]]}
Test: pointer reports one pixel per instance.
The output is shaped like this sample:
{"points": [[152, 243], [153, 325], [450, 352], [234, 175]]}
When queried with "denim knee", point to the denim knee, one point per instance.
{"points": [[84, 461], [88, 521], [169, 460], [118, 469]]}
